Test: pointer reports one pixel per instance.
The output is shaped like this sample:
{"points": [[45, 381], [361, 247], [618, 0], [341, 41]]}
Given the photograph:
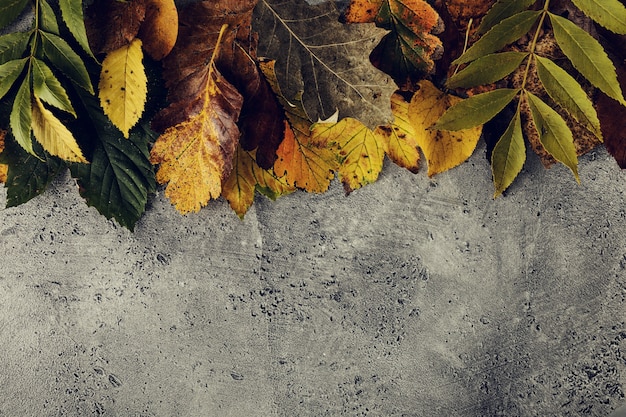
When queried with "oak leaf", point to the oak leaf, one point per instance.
{"points": [[360, 151], [443, 149], [195, 155], [123, 87], [303, 162]]}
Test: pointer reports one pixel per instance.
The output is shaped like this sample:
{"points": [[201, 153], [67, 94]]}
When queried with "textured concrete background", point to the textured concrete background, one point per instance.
{"points": [[411, 297]]}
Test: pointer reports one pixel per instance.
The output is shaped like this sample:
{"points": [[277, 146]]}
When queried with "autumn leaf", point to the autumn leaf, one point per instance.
{"points": [[303, 162], [111, 25], [159, 29], [123, 86], [195, 155], [400, 136], [360, 151], [246, 177], [408, 51], [4, 168], [443, 149], [612, 118]]}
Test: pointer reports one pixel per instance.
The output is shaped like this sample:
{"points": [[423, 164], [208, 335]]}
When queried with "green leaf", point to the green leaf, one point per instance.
{"points": [[48, 20], [609, 13], [13, 45], [487, 69], [9, 72], [21, 117], [28, 175], [72, 13], [65, 59], [508, 156], [587, 56], [502, 34], [120, 177], [554, 133], [501, 10], [475, 110], [48, 88], [567, 93], [10, 10]]}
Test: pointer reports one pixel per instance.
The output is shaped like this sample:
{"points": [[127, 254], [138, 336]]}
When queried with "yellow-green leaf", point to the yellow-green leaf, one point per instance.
{"points": [[10, 10], [609, 13], [587, 56], [21, 116], [9, 72], [475, 110], [500, 11], [62, 56], [360, 152], [47, 18], [567, 93], [54, 137], [123, 86], [554, 134], [487, 69], [48, 88], [502, 34], [443, 149], [508, 156], [399, 136], [13, 45], [72, 13]]}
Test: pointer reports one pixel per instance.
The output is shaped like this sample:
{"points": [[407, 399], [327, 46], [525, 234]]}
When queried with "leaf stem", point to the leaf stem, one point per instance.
{"points": [[531, 49]]}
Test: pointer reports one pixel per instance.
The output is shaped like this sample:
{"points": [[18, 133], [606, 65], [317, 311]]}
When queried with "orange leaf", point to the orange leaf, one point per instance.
{"points": [[159, 28], [400, 136], [196, 154], [3, 167]]}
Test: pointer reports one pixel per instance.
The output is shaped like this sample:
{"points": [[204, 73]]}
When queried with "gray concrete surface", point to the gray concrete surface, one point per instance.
{"points": [[411, 297]]}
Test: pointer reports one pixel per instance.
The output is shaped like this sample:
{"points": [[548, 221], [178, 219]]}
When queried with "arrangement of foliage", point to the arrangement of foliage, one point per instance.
{"points": [[85, 89]]}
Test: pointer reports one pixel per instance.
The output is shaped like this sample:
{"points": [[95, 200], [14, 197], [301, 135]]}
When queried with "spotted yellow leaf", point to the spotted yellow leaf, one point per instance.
{"points": [[443, 149]]}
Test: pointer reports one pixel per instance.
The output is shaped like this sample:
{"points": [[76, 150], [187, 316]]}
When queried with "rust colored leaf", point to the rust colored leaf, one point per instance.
{"points": [[4, 169], [159, 29], [196, 154], [612, 117], [113, 24]]}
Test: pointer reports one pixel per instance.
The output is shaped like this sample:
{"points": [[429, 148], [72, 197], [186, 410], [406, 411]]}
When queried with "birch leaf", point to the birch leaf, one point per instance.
{"points": [[54, 137], [123, 86]]}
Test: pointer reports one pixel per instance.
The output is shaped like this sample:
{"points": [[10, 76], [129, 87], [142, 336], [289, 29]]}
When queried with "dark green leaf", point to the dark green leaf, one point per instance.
{"points": [[9, 72], [487, 69], [609, 13], [554, 133], [567, 93], [475, 110], [13, 45], [587, 56], [502, 34], [65, 59], [48, 88], [508, 156], [120, 176], [21, 117], [28, 175], [501, 10], [10, 10], [72, 13], [48, 20]]}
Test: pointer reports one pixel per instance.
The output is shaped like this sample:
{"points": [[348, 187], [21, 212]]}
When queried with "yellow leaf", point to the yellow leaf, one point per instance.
{"points": [[245, 178], [123, 86], [361, 153], [55, 138], [304, 163], [400, 137], [196, 155], [4, 169], [443, 149]]}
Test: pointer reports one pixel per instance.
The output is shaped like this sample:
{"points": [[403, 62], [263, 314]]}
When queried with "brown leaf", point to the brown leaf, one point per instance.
{"points": [[3, 167], [113, 24], [612, 117], [159, 29]]}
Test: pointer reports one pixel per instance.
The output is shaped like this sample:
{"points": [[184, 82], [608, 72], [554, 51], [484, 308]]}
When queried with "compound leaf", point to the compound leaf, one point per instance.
{"points": [[554, 134], [487, 69], [508, 156], [72, 14], [609, 13], [123, 87], [48, 88], [57, 50], [48, 20], [10, 10], [502, 34], [475, 110], [566, 92], [13, 45], [21, 117], [443, 149], [501, 10], [9, 72], [587, 56]]}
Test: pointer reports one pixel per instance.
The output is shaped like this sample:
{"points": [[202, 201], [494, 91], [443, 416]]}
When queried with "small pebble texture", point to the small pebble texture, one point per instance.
{"points": [[411, 297]]}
